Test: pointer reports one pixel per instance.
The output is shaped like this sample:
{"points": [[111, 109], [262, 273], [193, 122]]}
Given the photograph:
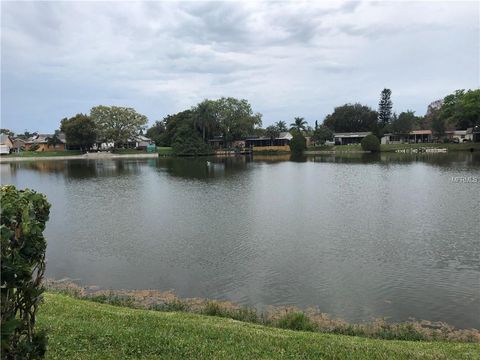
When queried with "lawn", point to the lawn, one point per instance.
{"points": [[44, 153], [80, 329], [164, 151]]}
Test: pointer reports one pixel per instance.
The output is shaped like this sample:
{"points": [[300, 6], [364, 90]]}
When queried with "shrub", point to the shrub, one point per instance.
{"points": [[113, 299], [24, 215], [296, 321], [371, 143], [173, 305], [298, 144], [34, 147]]}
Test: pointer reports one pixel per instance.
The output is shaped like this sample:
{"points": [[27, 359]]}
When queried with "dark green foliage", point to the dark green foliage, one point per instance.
{"points": [[461, 109], [298, 144], [404, 123], [296, 321], [272, 132], [156, 133], [80, 131], [281, 126], [352, 118], [187, 142], [371, 143], [298, 124], [7, 132], [385, 108], [322, 134], [24, 215], [438, 126]]}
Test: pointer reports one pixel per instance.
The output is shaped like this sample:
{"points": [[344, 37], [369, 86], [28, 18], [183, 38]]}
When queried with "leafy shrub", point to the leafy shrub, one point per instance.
{"points": [[296, 321], [371, 143], [187, 142], [24, 215], [298, 144]]}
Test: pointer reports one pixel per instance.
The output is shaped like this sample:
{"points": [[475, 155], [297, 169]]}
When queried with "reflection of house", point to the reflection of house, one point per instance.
{"points": [[283, 139], [350, 137], [42, 142], [5, 144], [415, 136]]}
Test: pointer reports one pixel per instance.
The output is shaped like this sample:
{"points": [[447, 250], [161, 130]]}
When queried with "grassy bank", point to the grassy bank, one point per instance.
{"points": [[164, 150], [44, 153], [82, 329]]}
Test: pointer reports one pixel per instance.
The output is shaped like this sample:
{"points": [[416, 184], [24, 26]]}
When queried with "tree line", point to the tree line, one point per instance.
{"points": [[231, 119]]}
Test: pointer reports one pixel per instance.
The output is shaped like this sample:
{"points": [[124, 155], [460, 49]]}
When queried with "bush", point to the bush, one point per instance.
{"points": [[371, 143], [296, 321], [187, 142], [298, 144], [24, 215]]}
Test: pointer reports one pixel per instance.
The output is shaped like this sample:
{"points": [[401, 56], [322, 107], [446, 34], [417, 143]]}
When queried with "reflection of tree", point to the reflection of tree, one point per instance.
{"points": [[203, 167]]}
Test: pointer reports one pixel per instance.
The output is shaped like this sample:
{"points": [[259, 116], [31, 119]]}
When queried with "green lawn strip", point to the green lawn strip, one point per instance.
{"points": [[80, 329], [164, 150], [44, 153]]}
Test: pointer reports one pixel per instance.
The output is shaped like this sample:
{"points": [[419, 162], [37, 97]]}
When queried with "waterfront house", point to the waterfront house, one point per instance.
{"points": [[458, 136], [18, 144], [40, 142], [6, 144], [347, 138], [415, 136], [283, 139], [473, 134]]}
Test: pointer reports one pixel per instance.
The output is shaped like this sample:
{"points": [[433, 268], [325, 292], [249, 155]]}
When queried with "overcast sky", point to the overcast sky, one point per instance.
{"points": [[287, 58]]}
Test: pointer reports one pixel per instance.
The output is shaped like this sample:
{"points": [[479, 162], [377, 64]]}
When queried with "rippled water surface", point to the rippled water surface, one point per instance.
{"points": [[358, 236]]}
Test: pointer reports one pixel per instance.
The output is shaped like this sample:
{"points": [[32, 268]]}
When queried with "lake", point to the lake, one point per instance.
{"points": [[358, 236]]}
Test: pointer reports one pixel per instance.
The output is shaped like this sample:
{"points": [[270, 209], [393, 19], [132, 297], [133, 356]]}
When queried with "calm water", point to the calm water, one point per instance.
{"points": [[358, 236]]}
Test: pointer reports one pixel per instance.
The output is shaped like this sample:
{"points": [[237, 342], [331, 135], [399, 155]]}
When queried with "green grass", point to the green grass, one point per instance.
{"points": [[80, 329], [44, 153], [164, 150]]}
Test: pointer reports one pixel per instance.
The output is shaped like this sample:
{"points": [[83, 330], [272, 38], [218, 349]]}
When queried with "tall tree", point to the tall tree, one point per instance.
{"points": [[156, 131], [281, 126], [461, 109], [235, 118], [272, 132], [322, 134], [205, 117], [7, 132], [352, 118], [117, 124], [404, 123], [79, 131], [299, 124], [385, 108]]}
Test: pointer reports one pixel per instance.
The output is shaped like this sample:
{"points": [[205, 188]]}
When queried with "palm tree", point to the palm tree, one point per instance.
{"points": [[204, 117], [299, 124], [281, 126]]}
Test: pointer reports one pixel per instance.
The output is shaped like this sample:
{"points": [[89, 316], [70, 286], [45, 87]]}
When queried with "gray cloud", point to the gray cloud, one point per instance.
{"points": [[287, 58]]}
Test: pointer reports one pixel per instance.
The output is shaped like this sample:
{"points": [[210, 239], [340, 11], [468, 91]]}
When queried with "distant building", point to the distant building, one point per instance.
{"points": [[40, 142], [6, 144], [473, 134], [415, 136], [283, 139], [347, 138]]}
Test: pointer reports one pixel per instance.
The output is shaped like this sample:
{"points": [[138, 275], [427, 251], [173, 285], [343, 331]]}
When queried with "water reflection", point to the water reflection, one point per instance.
{"points": [[393, 238]]}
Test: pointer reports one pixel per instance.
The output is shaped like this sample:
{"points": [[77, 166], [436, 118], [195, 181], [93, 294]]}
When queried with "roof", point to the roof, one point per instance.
{"points": [[353, 134], [43, 138]]}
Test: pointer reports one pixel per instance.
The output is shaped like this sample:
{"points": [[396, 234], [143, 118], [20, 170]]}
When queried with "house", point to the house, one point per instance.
{"points": [[348, 138], [140, 142], [415, 136], [6, 144], [18, 144], [40, 142], [283, 139], [456, 135], [473, 134]]}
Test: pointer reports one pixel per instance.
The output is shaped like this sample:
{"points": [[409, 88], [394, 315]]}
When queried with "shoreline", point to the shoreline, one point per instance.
{"points": [[89, 156], [152, 299]]}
